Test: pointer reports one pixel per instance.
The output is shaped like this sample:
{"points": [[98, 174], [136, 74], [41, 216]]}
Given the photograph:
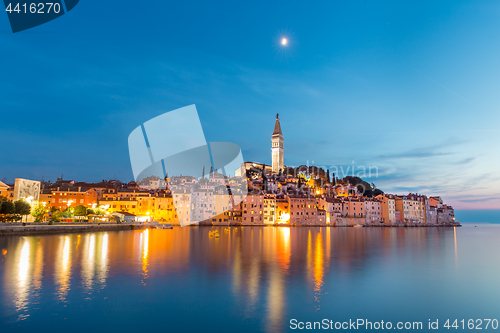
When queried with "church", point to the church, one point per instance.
{"points": [[277, 147], [276, 154]]}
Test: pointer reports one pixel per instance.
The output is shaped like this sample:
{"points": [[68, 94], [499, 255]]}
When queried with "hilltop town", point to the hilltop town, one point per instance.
{"points": [[257, 194]]}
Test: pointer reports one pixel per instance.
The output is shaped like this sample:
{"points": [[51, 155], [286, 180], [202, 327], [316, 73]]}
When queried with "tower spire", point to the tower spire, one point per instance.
{"points": [[277, 146], [277, 126]]}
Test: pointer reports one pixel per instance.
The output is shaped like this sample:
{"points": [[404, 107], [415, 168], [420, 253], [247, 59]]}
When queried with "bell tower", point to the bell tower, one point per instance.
{"points": [[277, 146]]}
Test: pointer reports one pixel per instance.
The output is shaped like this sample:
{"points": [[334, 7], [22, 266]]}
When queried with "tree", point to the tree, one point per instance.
{"points": [[22, 207], [7, 208], [99, 210], [80, 210], [90, 211], [38, 212], [56, 216]]}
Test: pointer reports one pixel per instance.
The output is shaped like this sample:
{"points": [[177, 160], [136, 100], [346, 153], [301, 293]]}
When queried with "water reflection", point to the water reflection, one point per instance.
{"points": [[22, 288], [455, 240], [253, 272], [94, 260], [88, 265], [63, 268], [145, 253]]}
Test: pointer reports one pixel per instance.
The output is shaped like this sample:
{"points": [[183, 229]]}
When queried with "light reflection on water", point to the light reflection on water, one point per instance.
{"points": [[248, 279]]}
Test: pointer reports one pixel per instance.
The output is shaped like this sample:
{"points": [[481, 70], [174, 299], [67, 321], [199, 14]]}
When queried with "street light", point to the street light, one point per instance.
{"points": [[69, 204]]}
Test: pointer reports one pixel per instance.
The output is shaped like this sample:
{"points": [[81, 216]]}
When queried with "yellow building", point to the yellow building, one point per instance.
{"points": [[388, 208], [412, 208], [269, 213], [3, 190], [159, 207]]}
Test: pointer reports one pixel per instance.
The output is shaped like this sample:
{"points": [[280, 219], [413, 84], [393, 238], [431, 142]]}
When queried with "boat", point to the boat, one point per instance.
{"points": [[358, 226]]}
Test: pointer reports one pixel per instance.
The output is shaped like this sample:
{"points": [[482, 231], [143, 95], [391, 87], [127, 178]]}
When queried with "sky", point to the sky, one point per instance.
{"points": [[408, 88]]}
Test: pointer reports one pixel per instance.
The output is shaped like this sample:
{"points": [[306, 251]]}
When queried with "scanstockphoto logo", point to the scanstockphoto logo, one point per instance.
{"points": [[205, 179], [25, 15]]}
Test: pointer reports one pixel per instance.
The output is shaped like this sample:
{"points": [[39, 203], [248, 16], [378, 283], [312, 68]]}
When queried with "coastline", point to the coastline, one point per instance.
{"points": [[6, 229], [18, 229]]}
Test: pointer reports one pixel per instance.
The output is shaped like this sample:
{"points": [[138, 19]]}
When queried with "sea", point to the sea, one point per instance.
{"points": [[255, 279]]}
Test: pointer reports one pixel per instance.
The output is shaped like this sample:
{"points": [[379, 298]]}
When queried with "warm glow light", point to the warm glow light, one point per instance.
{"points": [[145, 253], [284, 41], [285, 217]]}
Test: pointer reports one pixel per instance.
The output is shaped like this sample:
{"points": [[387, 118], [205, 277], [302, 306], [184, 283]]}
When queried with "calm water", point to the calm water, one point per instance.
{"points": [[252, 279]]}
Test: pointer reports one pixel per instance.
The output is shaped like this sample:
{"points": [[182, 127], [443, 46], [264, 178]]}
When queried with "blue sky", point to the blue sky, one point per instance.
{"points": [[412, 88]]}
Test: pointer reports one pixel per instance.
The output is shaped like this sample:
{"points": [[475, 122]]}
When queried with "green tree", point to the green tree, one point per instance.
{"points": [[7, 209], [80, 210], [38, 212], [22, 207], [90, 211], [99, 210], [56, 216]]}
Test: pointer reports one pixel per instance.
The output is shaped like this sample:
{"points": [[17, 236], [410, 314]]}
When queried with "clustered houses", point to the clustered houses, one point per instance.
{"points": [[278, 197], [258, 194]]}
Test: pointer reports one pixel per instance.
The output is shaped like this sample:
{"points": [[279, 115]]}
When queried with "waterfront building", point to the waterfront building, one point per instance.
{"points": [[332, 208], [157, 206], [182, 203], [222, 202], [412, 208], [163, 209], [252, 209], [72, 197], [282, 210], [431, 215], [373, 210], [388, 206], [277, 147], [446, 214], [269, 208], [304, 210], [202, 201], [355, 207], [121, 205]]}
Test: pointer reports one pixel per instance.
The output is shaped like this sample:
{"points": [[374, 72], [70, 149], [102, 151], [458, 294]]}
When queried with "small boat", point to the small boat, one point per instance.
{"points": [[358, 226]]}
